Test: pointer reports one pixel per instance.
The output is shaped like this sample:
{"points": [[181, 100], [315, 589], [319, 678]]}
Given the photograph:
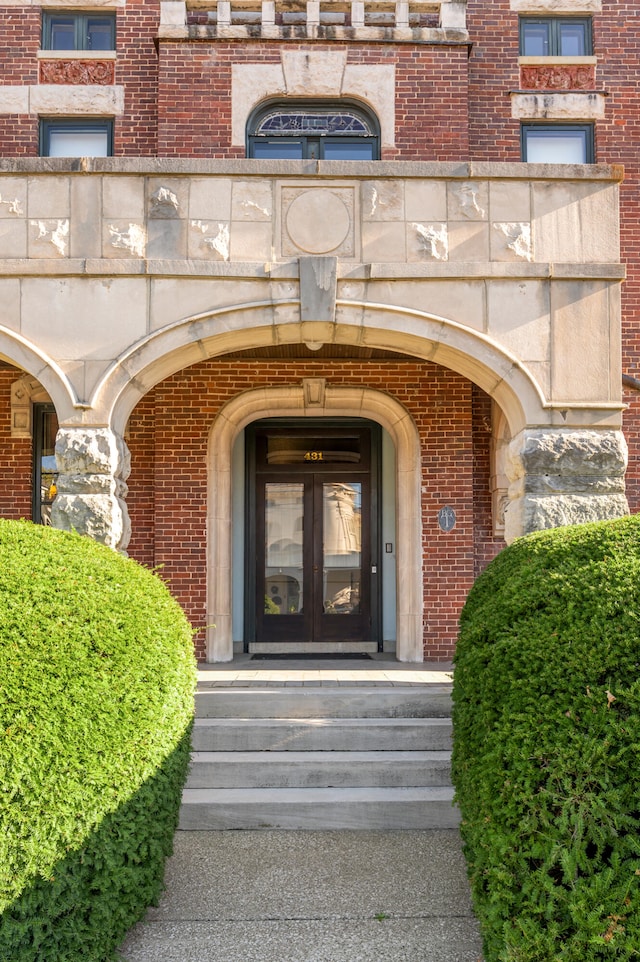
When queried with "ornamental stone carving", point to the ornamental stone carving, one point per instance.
{"points": [[100, 72], [47, 234], [433, 240], [558, 77], [317, 221]]}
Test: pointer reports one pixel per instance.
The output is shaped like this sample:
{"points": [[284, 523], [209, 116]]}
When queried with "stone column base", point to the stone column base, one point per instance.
{"points": [[564, 477], [93, 465]]}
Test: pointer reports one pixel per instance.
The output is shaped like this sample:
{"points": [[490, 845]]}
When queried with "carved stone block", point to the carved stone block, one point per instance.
{"points": [[99, 72]]}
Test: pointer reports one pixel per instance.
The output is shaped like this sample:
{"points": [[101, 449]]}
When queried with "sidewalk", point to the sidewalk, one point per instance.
{"points": [[305, 896]]}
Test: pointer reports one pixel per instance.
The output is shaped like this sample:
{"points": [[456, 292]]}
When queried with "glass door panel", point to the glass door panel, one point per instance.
{"points": [[283, 548], [341, 547], [309, 559]]}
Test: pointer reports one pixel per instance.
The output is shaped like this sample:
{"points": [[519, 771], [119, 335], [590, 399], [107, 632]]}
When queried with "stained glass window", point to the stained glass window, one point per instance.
{"points": [[297, 131]]}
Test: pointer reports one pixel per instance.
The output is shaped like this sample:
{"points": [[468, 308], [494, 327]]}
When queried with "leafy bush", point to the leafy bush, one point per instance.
{"points": [[96, 706], [546, 758]]}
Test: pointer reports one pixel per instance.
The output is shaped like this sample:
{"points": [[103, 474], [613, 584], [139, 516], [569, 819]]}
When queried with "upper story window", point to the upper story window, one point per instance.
{"points": [[555, 36], [307, 131], [78, 31], [558, 143], [76, 138]]}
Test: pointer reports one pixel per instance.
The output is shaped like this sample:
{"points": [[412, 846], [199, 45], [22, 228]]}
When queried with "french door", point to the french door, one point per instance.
{"points": [[313, 544]]}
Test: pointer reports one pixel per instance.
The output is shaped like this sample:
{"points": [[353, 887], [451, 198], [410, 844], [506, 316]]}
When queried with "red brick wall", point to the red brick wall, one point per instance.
{"points": [[617, 44], [195, 96], [486, 545], [494, 136], [141, 439], [493, 73], [19, 42], [15, 457], [168, 435], [135, 133]]}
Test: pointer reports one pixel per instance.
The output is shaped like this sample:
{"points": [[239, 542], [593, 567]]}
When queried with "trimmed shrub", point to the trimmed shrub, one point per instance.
{"points": [[96, 707], [546, 759]]}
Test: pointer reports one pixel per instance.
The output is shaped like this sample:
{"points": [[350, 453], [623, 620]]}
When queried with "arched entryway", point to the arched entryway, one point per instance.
{"points": [[314, 399]]}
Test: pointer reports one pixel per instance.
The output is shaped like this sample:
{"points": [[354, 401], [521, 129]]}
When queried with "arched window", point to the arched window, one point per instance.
{"points": [[305, 130]]}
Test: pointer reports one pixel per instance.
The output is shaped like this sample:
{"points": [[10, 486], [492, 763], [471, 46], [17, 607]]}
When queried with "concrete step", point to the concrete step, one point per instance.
{"points": [[321, 734], [318, 808], [432, 700], [319, 769]]}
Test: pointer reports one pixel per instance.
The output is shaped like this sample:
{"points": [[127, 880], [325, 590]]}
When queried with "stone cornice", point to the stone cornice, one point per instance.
{"points": [[371, 170]]}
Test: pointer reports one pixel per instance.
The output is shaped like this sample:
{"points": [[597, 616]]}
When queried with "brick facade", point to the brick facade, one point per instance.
{"points": [[16, 455], [195, 97], [453, 103], [168, 435]]}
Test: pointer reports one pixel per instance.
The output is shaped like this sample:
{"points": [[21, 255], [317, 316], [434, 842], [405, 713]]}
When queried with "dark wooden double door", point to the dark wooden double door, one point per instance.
{"points": [[312, 545]]}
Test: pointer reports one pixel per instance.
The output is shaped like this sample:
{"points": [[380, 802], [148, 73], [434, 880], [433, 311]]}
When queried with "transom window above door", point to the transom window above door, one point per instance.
{"points": [[305, 131]]}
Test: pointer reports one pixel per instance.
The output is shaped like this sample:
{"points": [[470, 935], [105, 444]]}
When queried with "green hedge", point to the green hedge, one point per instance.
{"points": [[546, 759], [96, 706]]}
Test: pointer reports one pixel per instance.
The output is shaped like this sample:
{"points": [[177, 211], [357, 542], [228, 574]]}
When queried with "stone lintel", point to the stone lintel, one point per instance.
{"points": [[576, 105], [556, 6]]}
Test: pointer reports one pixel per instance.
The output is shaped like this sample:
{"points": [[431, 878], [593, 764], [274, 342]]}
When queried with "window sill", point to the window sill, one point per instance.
{"points": [[77, 55], [556, 61]]}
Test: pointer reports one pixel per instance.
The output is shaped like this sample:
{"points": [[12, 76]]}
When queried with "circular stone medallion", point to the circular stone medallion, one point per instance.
{"points": [[318, 221]]}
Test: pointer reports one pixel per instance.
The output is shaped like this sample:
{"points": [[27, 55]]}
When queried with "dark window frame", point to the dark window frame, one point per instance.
{"points": [[80, 123], [81, 24], [313, 144], [587, 129], [41, 411], [555, 37]]}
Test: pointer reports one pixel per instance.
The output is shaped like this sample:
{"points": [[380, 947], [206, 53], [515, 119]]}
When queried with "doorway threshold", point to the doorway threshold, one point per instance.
{"points": [[312, 656], [318, 649]]}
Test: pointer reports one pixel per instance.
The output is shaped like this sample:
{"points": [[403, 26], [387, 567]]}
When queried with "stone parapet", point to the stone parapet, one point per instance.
{"points": [[416, 21]]}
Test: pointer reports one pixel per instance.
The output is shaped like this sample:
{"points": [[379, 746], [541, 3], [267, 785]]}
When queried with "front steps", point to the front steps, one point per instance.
{"points": [[354, 756]]}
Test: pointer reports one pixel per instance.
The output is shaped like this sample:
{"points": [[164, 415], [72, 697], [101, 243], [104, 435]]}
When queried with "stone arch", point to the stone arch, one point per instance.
{"points": [[306, 400], [388, 327], [43, 370], [313, 74]]}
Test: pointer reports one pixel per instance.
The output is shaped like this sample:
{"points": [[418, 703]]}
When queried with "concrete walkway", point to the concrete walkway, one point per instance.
{"points": [[283, 896], [312, 896]]}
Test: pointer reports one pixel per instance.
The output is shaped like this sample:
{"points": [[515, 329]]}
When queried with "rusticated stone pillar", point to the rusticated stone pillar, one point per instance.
{"points": [[564, 476], [93, 465]]}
